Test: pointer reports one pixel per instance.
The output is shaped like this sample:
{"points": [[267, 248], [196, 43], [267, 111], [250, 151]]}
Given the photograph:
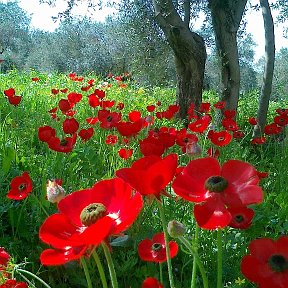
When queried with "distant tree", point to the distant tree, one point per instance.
{"points": [[14, 35]]}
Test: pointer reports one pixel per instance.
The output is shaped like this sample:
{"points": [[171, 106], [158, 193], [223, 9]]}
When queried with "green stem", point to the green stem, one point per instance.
{"points": [[40, 204], [194, 269], [164, 225], [161, 272], [112, 271], [100, 269], [32, 275], [188, 245], [219, 259], [86, 271]]}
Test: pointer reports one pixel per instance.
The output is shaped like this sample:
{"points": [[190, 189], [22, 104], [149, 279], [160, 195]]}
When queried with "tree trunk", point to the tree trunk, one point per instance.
{"points": [[226, 18], [268, 69], [189, 52]]}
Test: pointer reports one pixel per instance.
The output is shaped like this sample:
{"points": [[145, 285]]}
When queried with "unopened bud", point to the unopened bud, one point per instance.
{"points": [[176, 229], [54, 192]]}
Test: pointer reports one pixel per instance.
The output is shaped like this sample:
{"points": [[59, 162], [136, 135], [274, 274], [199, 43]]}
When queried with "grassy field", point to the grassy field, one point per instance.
{"points": [[94, 160]]}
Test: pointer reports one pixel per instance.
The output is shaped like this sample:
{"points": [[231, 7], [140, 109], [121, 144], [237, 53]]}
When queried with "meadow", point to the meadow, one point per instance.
{"points": [[61, 134]]}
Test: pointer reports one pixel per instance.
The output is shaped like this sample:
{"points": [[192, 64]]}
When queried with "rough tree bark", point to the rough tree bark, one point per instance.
{"points": [[226, 18], [266, 88], [189, 52]]}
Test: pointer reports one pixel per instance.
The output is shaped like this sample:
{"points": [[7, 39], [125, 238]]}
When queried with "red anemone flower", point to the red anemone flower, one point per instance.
{"points": [[229, 113], [150, 108], [108, 119], [35, 79], [20, 187], [125, 153], [15, 100], [93, 101], [220, 105], [156, 172], [9, 92], [64, 105], [241, 217], [252, 120], [272, 129], [87, 217], [12, 283], [151, 146], [4, 258], [155, 250], [238, 134], [86, 134], [70, 126], [74, 97], [111, 139], [281, 120], [201, 124], [92, 120], [267, 263], [64, 145], [220, 139], [204, 107], [258, 140], [229, 124], [233, 185], [45, 133], [151, 282], [129, 129]]}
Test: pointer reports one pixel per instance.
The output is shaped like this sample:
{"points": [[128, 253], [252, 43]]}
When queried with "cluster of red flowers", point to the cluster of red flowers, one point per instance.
{"points": [[12, 97], [5, 273]]}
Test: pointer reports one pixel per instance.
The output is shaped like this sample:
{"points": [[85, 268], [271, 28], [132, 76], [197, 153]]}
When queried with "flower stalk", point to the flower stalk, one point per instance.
{"points": [[86, 272], [110, 264], [100, 269]]}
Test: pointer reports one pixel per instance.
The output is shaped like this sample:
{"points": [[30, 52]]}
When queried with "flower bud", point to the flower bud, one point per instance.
{"points": [[176, 229], [54, 192]]}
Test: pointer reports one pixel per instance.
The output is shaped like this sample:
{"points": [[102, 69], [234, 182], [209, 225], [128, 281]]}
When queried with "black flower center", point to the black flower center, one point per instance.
{"points": [[109, 118], [63, 142], [156, 246], [91, 213], [278, 263], [239, 218], [216, 184], [22, 187]]}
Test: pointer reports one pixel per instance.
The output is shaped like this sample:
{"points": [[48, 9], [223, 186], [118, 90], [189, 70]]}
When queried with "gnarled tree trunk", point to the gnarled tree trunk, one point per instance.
{"points": [[226, 17], [268, 69], [189, 52]]}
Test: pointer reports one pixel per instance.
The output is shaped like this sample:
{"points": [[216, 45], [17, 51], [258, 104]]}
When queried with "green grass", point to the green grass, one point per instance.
{"points": [[20, 150]]}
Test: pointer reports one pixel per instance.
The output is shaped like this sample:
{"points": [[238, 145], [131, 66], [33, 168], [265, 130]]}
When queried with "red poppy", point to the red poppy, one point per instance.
{"points": [[20, 187], [229, 124], [220, 105], [272, 129], [35, 79], [151, 146], [107, 104], [150, 108], [156, 171], [74, 97], [229, 113], [155, 250], [125, 153], [252, 120], [54, 91], [258, 140], [281, 120], [233, 185], [86, 134], [45, 133], [64, 105], [93, 101], [15, 100], [92, 120], [4, 258], [87, 217], [108, 119], [99, 93], [129, 129], [238, 134], [151, 282], [267, 263], [200, 125], [12, 283], [182, 137], [241, 217], [86, 88], [220, 139], [282, 111], [111, 139], [134, 116], [120, 106], [262, 175], [9, 92], [64, 145], [70, 126], [204, 107], [64, 90]]}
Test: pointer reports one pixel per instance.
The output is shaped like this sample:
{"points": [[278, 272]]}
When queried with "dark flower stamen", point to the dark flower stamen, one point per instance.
{"points": [[156, 246], [22, 187], [91, 213], [216, 184], [239, 218], [278, 263]]}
